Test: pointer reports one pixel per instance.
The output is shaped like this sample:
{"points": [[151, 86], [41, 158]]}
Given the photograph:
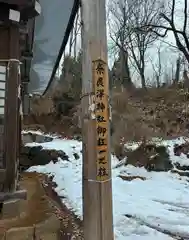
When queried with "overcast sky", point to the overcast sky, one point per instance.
{"points": [[54, 30], [168, 54], [50, 26]]}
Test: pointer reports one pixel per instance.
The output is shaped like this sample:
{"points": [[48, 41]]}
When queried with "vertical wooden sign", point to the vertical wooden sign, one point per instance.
{"points": [[102, 119]]}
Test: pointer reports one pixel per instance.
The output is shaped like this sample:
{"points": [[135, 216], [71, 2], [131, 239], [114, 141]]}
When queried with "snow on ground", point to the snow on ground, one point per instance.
{"points": [[142, 209]]}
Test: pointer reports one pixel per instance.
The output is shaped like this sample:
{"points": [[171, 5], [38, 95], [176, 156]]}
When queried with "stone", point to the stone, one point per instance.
{"points": [[47, 236], [48, 229], [35, 150], [33, 137], [42, 139], [11, 209], [63, 155], [150, 156], [26, 138], [36, 155], [42, 158], [23, 233], [76, 156], [3, 235]]}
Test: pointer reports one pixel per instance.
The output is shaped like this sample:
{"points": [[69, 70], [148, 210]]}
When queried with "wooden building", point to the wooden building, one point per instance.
{"points": [[17, 18]]}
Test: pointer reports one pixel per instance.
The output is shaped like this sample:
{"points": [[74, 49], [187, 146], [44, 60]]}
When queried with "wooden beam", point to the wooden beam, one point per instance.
{"points": [[12, 109], [26, 9], [2, 175]]}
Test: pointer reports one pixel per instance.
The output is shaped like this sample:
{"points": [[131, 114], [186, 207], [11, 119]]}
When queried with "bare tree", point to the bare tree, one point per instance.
{"points": [[157, 68], [77, 24], [170, 25], [126, 18], [177, 72], [118, 35], [76, 31]]}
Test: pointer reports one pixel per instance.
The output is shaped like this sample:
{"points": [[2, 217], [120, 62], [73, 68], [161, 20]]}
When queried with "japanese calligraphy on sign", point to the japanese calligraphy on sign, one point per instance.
{"points": [[102, 119]]}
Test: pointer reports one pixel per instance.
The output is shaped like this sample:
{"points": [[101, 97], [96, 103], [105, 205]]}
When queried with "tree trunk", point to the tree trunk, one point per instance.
{"points": [[143, 79], [125, 71], [157, 81], [177, 74]]}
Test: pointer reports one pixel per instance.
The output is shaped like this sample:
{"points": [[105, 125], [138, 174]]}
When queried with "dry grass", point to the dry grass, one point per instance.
{"points": [[137, 115], [142, 115], [41, 105], [156, 112]]}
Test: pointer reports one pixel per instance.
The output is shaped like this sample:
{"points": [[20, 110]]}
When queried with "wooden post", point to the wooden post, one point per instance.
{"points": [[97, 184], [12, 109], [9, 103]]}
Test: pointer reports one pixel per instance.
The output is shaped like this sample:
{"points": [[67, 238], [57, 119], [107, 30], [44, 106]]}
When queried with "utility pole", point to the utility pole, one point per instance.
{"points": [[97, 183]]}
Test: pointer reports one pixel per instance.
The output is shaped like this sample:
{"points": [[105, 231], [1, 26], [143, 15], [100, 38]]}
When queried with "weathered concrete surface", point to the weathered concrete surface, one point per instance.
{"points": [[26, 138], [48, 229], [42, 216], [11, 209], [20, 233], [36, 218], [49, 236]]}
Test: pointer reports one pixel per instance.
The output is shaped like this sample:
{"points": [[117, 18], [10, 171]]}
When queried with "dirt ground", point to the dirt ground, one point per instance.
{"points": [[41, 205], [32, 211], [35, 208], [71, 226]]}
